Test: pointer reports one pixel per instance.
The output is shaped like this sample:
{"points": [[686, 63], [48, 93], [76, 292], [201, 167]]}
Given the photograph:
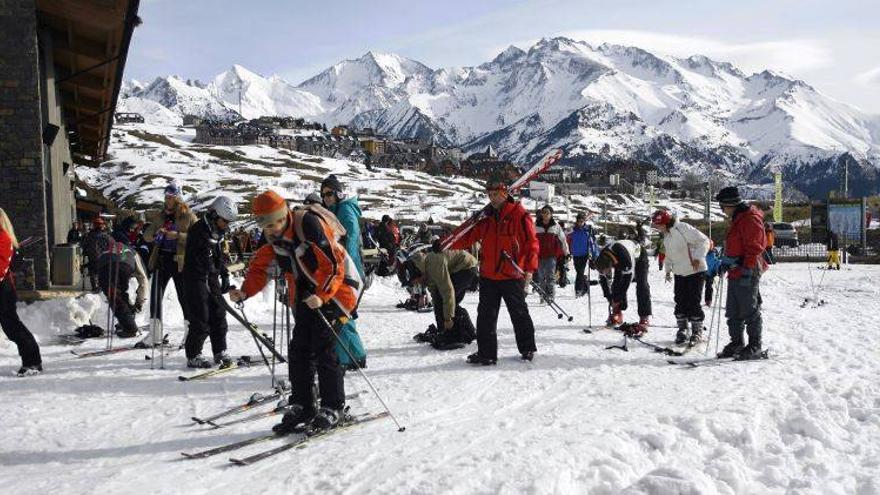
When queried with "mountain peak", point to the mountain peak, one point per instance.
{"points": [[509, 53]]}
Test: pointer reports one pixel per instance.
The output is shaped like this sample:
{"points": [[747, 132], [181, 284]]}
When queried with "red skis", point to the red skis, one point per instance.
{"points": [[545, 163]]}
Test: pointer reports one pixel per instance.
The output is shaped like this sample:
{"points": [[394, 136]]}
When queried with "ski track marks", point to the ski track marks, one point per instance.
{"points": [[579, 419]]}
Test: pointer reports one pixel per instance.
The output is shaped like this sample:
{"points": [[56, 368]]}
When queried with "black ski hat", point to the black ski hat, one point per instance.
{"points": [[729, 196], [332, 183]]}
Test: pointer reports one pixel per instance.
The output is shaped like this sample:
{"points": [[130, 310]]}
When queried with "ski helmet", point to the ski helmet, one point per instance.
{"points": [[225, 208], [661, 217]]}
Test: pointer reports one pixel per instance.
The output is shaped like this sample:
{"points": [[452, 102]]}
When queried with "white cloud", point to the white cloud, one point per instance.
{"points": [[794, 56], [869, 78]]}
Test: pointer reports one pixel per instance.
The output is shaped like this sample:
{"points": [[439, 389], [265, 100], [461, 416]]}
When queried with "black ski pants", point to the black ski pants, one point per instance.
{"points": [[514, 295], [687, 290], [580, 282], [166, 269], [117, 298], [312, 348], [463, 327], [620, 286], [744, 310], [207, 317], [14, 328], [708, 298]]}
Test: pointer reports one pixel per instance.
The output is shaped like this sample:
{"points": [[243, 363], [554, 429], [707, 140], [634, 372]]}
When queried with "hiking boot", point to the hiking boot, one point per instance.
{"points": [[198, 362], [731, 350], [475, 358], [295, 420], [328, 418]]}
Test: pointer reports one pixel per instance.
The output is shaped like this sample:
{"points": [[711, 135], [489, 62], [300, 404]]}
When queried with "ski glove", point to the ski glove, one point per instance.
{"points": [[745, 274], [138, 306], [725, 263]]}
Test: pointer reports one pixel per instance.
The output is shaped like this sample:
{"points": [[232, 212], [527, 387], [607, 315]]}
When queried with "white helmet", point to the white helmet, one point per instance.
{"points": [[225, 208]]}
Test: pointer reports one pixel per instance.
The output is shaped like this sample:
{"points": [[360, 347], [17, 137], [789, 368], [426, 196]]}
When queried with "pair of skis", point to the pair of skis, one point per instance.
{"points": [[299, 441]]}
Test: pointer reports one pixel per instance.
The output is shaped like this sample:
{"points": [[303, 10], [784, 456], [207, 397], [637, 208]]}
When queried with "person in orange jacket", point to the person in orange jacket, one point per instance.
{"points": [[506, 228], [305, 246]]}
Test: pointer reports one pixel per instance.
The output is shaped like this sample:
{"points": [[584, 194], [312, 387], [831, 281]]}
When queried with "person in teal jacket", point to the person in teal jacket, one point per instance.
{"points": [[348, 212]]}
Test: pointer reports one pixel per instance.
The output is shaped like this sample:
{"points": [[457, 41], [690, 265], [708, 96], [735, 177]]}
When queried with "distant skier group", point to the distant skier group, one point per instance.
{"points": [[314, 250]]}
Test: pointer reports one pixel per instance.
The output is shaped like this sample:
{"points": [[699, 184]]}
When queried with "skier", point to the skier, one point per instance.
{"points": [[448, 275], [348, 212], [321, 278], [167, 231], [582, 246], [116, 267], [28, 349], [712, 261], [552, 245], [388, 237], [620, 260], [770, 234], [506, 228], [660, 253], [74, 235], [95, 243], [743, 262], [205, 280], [832, 244], [685, 249]]}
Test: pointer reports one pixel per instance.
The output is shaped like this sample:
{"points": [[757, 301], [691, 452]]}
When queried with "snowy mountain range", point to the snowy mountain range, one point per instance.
{"points": [[597, 102]]}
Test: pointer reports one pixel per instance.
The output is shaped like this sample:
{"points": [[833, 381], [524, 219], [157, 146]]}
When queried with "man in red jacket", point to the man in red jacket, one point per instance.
{"points": [[506, 228], [744, 263]]}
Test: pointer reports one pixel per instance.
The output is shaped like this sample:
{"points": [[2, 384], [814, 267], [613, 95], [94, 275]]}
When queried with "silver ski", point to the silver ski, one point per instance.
{"points": [[304, 438]]}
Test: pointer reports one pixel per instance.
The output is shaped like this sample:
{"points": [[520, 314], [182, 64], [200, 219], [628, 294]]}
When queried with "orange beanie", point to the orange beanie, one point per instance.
{"points": [[268, 207]]}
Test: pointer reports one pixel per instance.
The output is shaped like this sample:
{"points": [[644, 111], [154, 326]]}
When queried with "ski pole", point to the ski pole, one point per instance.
{"points": [[240, 306], [359, 369], [589, 298], [553, 304], [275, 325]]}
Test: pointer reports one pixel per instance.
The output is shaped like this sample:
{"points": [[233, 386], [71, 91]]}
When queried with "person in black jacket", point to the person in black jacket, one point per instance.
{"points": [[205, 281]]}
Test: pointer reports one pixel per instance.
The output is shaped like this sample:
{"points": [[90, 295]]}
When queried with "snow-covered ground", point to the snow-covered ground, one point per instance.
{"points": [[579, 419]]}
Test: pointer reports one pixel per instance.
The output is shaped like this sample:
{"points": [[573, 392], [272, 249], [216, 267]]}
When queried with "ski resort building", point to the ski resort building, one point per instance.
{"points": [[61, 73]]}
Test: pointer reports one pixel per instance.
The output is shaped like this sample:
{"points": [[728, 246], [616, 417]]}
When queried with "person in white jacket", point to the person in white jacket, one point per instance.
{"points": [[686, 249]]}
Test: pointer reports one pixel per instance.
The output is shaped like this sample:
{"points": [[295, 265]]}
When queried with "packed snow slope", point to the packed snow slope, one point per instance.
{"points": [[598, 102], [146, 156], [579, 419]]}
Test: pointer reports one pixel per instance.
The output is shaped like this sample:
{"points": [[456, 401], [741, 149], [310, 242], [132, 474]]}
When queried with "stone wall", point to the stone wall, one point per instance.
{"points": [[22, 180]]}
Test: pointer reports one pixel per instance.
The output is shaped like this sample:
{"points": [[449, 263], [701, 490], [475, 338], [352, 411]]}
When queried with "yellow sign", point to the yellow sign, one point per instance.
{"points": [[777, 204]]}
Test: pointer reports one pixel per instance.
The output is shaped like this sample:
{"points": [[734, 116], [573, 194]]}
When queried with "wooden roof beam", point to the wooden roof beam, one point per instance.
{"points": [[86, 12]]}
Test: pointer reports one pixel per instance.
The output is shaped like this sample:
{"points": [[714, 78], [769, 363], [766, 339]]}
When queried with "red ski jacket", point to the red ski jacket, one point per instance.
{"points": [[512, 230], [6, 252], [746, 240]]}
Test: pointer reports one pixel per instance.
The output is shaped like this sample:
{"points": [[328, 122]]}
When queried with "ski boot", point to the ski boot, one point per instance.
{"points": [[528, 356], [750, 352], [296, 420], [122, 333], [681, 337], [198, 362], [328, 418], [475, 358], [696, 333], [29, 370], [731, 350], [224, 360], [614, 319]]}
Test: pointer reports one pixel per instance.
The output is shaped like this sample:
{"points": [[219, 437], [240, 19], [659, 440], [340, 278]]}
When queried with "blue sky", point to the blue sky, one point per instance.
{"points": [[832, 45]]}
